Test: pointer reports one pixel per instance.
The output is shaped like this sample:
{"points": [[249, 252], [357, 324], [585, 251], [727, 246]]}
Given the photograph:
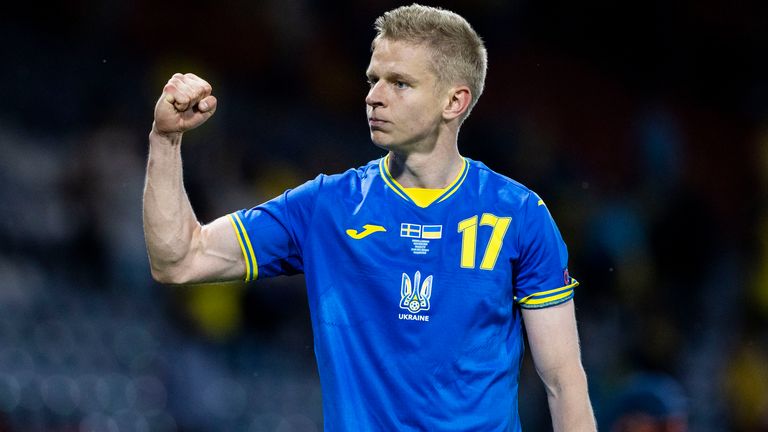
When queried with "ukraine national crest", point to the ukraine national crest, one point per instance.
{"points": [[414, 297]]}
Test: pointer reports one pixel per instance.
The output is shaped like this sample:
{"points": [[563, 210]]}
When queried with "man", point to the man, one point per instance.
{"points": [[420, 266]]}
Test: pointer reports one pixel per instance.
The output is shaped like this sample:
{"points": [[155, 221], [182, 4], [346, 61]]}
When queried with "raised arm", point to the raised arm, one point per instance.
{"points": [[554, 343], [181, 250]]}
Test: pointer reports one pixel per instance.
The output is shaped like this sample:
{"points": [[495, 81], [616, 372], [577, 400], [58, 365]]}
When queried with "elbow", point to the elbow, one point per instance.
{"points": [[169, 275], [172, 262], [160, 277], [169, 268], [564, 380]]}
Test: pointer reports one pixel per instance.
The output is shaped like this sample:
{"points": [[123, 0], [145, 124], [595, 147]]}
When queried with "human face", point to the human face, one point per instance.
{"points": [[404, 104]]}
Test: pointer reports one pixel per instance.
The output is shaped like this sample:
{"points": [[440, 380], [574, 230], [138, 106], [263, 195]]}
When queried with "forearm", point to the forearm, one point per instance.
{"points": [[569, 403], [554, 342], [170, 224]]}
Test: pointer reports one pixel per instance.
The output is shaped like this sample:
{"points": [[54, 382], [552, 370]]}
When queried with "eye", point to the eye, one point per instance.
{"points": [[371, 81], [401, 84]]}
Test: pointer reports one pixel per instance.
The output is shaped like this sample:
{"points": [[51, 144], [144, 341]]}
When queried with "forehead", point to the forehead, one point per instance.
{"points": [[400, 57]]}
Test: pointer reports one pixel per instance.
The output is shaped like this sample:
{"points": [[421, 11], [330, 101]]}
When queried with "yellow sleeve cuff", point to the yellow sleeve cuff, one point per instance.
{"points": [[251, 268], [549, 298]]}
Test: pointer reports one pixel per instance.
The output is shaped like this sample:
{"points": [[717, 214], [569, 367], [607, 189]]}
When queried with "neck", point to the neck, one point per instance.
{"points": [[435, 169]]}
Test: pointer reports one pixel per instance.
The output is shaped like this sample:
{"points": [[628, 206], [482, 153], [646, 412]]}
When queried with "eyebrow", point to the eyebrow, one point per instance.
{"points": [[402, 77], [393, 76]]}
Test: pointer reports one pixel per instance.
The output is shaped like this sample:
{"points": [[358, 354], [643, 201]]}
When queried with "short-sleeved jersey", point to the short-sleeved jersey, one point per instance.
{"points": [[415, 310]]}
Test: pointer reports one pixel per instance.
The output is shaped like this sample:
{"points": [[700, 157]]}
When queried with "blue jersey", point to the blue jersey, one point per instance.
{"points": [[415, 311]]}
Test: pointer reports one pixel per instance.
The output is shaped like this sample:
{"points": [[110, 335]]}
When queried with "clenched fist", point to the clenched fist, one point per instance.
{"points": [[185, 104]]}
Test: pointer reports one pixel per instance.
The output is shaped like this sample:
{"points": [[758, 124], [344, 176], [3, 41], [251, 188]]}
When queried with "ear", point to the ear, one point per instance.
{"points": [[459, 98]]}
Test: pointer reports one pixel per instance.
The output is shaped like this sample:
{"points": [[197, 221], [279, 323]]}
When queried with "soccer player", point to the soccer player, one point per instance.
{"points": [[421, 266]]}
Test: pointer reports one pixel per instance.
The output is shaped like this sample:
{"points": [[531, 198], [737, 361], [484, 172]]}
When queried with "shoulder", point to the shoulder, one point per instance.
{"points": [[500, 187], [323, 191], [355, 175], [361, 173], [349, 182]]}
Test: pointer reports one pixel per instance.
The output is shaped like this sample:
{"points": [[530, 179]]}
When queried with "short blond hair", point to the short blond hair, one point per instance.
{"points": [[458, 53]]}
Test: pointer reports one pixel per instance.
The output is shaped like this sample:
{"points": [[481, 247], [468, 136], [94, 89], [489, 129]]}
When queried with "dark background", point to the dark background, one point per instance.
{"points": [[643, 125]]}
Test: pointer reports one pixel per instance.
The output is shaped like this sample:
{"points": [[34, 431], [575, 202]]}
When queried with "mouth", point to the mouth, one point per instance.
{"points": [[375, 122]]}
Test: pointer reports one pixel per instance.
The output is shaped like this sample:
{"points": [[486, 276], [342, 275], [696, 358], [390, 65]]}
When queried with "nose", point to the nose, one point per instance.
{"points": [[375, 97]]}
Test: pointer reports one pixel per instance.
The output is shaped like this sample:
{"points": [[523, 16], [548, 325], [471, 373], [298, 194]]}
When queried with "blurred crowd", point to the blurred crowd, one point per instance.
{"points": [[644, 127]]}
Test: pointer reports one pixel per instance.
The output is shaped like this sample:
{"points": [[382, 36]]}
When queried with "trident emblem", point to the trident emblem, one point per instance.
{"points": [[415, 297]]}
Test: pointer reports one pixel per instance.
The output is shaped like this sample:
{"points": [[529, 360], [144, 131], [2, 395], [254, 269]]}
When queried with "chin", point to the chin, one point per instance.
{"points": [[381, 140]]}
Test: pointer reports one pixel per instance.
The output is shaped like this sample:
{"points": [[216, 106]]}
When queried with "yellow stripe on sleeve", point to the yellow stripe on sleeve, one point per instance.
{"points": [[550, 295], [242, 248], [540, 301], [255, 269]]}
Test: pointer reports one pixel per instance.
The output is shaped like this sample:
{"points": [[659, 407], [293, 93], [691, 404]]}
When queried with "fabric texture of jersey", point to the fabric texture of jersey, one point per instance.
{"points": [[415, 311]]}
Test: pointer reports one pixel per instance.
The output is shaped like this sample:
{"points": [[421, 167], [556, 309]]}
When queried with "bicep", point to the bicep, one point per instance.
{"points": [[217, 254], [554, 341]]}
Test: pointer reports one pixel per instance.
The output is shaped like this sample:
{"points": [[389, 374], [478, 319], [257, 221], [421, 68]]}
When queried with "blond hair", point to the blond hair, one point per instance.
{"points": [[458, 53]]}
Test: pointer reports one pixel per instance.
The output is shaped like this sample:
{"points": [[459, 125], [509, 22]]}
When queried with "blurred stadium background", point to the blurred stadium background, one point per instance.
{"points": [[643, 125]]}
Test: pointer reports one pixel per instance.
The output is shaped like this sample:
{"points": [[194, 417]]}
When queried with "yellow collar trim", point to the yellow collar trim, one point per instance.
{"points": [[423, 197], [420, 196]]}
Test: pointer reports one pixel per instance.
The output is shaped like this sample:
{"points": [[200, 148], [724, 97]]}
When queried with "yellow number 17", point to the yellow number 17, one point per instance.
{"points": [[468, 230]]}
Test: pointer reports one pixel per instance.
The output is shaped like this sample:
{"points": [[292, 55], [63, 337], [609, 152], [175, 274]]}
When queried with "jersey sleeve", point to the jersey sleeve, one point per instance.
{"points": [[541, 278], [271, 234]]}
